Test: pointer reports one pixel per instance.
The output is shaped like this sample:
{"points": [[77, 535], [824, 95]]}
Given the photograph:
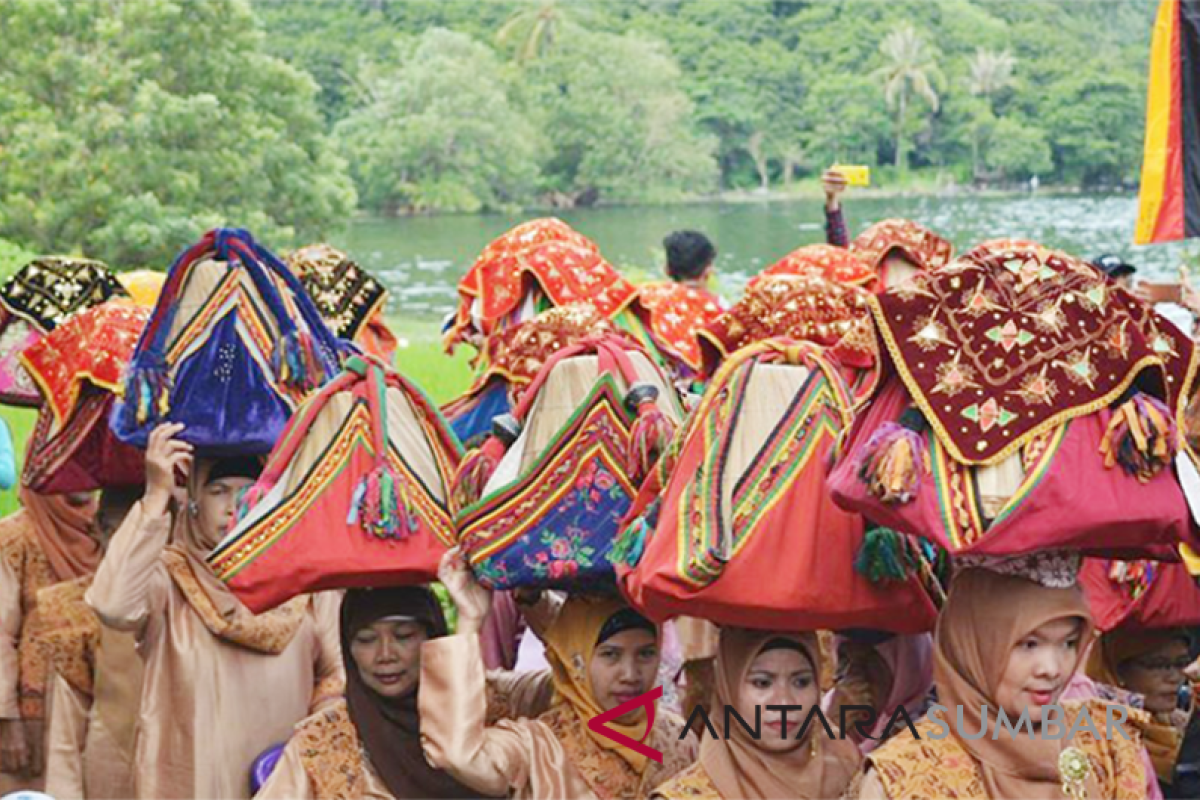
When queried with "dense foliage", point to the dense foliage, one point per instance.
{"points": [[127, 126]]}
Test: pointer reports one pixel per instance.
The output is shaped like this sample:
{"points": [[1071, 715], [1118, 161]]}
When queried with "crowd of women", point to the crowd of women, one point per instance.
{"points": [[810, 498]]}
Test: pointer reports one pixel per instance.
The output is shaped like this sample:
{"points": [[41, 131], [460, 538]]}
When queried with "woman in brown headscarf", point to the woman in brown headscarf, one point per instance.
{"points": [[1150, 663], [221, 684], [369, 744], [1008, 642], [49, 540], [754, 671], [602, 653]]}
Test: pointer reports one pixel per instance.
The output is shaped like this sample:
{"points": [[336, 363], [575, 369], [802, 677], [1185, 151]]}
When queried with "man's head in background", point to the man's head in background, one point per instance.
{"points": [[690, 256]]}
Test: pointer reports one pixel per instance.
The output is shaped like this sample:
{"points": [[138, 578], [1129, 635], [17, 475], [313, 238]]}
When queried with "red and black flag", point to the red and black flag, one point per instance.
{"points": [[1170, 191]]}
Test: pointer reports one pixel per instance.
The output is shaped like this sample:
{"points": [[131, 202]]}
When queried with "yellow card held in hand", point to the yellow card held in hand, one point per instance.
{"points": [[855, 175]]}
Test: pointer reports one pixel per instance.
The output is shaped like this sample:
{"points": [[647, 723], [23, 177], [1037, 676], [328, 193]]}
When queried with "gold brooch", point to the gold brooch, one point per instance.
{"points": [[1074, 769]]}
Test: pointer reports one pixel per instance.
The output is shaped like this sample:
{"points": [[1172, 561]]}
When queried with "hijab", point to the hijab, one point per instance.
{"points": [[910, 660], [390, 728], [986, 614], [1161, 736], [571, 640], [221, 612], [64, 533], [738, 767]]}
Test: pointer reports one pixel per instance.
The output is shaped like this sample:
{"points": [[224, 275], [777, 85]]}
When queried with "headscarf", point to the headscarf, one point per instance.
{"points": [[1160, 735], [390, 728], [910, 659], [220, 611], [738, 767], [571, 640], [986, 614], [924, 248], [64, 533]]}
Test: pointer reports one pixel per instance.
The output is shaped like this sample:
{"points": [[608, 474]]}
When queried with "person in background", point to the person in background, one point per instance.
{"points": [[690, 259], [221, 684], [836, 232], [1117, 269], [51, 539]]}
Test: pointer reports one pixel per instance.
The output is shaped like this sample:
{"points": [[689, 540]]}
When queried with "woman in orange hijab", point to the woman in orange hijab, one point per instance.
{"points": [[1007, 641], [756, 671], [49, 540]]}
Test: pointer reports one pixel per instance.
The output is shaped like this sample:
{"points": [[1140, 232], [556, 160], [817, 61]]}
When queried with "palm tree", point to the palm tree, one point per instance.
{"points": [[991, 72], [910, 67], [533, 30]]}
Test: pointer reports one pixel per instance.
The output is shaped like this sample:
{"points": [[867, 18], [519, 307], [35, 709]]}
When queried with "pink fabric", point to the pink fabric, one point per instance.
{"points": [[1081, 687], [910, 658], [502, 633]]}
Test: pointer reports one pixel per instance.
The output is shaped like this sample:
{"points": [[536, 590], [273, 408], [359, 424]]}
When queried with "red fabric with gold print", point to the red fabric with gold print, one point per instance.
{"points": [[674, 314], [918, 244], [826, 261]]}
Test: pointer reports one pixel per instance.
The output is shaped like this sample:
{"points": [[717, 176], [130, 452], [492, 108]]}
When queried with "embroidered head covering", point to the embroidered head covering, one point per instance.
{"points": [[63, 532], [571, 641], [736, 764], [346, 294], [921, 246], [390, 728], [826, 261], [985, 616], [221, 612]]}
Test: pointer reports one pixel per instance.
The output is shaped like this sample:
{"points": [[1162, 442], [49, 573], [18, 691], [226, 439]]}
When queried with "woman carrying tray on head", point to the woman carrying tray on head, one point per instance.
{"points": [[756, 670], [603, 654], [1012, 642], [221, 684], [369, 744]]}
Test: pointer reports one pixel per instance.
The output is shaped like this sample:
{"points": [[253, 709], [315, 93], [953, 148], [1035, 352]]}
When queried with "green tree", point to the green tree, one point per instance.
{"points": [[436, 131], [991, 72], [910, 68], [532, 31], [1018, 149], [130, 127]]}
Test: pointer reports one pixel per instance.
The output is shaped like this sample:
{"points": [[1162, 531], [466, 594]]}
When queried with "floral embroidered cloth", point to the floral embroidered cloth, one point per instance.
{"points": [[823, 260], [1014, 339], [346, 294], [675, 313], [916, 242]]}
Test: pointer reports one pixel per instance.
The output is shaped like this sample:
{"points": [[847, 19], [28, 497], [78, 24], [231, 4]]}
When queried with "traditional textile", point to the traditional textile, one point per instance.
{"points": [[1140, 594], [1010, 342], [674, 313], [204, 715], [497, 261], [24, 572], [69, 632], [835, 264], [78, 367], [805, 308], [924, 248], [35, 300], [743, 531], [346, 294], [910, 768], [356, 493], [526, 759], [233, 345], [551, 504]]}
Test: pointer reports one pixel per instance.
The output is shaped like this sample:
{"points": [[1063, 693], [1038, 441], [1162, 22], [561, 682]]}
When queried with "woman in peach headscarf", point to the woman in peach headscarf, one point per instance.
{"points": [[753, 670], [49, 540], [602, 654], [1007, 642]]}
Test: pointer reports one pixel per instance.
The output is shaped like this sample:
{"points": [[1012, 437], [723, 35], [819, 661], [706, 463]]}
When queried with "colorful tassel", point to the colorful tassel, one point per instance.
{"points": [[149, 387], [884, 556], [475, 471], [297, 364], [892, 463], [629, 547], [650, 435], [1141, 436], [383, 506]]}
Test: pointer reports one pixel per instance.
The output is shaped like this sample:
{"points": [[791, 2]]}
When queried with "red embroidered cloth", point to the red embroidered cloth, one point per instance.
{"points": [[920, 245], [835, 264], [797, 307], [674, 313], [91, 346], [1010, 341], [1140, 594]]}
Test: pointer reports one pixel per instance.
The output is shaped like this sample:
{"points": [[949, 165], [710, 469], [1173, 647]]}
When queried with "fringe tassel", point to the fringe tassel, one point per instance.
{"points": [[650, 435], [150, 388], [892, 463], [884, 556], [629, 547], [297, 364], [383, 507], [1141, 436], [475, 471]]}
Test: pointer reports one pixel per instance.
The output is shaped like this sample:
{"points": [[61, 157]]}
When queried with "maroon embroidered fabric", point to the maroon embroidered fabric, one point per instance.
{"points": [[1015, 338]]}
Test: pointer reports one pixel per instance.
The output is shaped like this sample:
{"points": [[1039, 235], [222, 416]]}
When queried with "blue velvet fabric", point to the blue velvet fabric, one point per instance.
{"points": [[491, 403], [223, 398]]}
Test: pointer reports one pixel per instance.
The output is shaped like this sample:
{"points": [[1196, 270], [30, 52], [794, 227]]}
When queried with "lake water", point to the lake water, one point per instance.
{"points": [[422, 258]]}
